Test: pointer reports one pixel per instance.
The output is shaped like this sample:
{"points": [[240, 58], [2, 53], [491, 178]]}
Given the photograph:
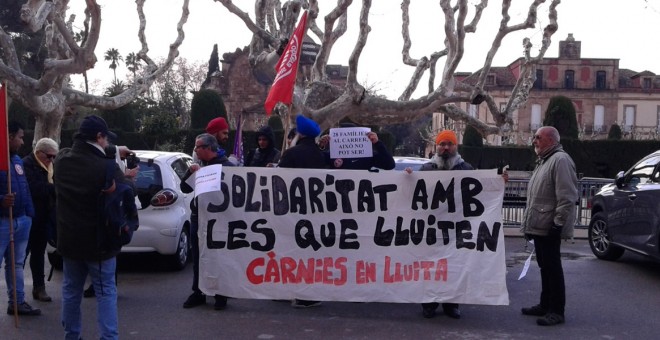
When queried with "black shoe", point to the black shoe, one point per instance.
{"points": [[23, 309], [428, 312], [304, 303], [89, 292], [534, 311], [220, 302], [39, 294], [550, 319], [451, 310], [195, 299]]}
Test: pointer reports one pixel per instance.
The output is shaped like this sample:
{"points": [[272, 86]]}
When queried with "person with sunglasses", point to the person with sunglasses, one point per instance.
{"points": [[39, 172]]}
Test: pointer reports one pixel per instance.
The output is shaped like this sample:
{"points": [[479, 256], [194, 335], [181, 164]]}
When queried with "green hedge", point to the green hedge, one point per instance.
{"points": [[602, 158]]}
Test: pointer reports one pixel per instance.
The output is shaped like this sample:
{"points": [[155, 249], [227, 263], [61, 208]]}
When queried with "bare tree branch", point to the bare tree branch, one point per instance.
{"points": [[49, 96]]}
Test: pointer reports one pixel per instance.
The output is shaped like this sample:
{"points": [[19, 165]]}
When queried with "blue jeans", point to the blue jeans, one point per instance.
{"points": [[102, 274], [21, 236]]}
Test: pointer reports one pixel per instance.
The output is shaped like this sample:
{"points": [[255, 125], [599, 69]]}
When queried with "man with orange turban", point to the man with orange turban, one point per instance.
{"points": [[446, 158], [446, 154]]}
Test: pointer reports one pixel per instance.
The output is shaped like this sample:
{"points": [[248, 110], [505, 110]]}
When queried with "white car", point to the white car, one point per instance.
{"points": [[415, 163], [163, 210]]}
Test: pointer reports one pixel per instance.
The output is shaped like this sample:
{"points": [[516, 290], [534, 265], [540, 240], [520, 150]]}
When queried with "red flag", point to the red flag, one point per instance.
{"points": [[287, 69], [4, 132]]}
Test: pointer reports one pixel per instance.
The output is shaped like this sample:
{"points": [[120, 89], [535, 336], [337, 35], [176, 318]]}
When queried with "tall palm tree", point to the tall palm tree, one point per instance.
{"points": [[133, 63], [114, 57]]}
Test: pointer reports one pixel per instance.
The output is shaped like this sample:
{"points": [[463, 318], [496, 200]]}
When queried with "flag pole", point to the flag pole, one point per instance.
{"points": [[287, 126], [289, 107], [10, 208]]}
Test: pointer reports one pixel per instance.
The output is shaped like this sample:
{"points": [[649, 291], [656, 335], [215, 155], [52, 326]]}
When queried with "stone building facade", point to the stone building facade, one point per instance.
{"points": [[603, 94], [244, 96]]}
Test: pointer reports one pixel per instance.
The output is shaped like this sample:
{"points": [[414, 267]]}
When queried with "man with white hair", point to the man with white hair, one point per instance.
{"points": [[39, 173], [549, 217]]}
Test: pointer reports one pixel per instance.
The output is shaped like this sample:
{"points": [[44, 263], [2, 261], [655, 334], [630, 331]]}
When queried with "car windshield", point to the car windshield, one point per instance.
{"points": [[641, 172]]}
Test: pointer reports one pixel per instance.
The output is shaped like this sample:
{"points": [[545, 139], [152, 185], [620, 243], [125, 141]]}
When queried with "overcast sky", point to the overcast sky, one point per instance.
{"points": [[625, 30]]}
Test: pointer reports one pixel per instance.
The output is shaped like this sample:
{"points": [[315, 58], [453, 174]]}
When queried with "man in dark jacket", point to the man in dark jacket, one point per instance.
{"points": [[265, 154], [445, 158], [81, 186], [39, 172], [305, 154], [206, 149], [19, 201]]}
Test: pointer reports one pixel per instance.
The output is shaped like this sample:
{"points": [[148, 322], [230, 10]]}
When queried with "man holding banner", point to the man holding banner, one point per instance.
{"points": [[304, 155], [349, 136], [15, 218], [446, 158], [206, 149]]}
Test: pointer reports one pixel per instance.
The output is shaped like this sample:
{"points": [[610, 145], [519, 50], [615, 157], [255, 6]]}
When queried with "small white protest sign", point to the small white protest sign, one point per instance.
{"points": [[350, 143]]}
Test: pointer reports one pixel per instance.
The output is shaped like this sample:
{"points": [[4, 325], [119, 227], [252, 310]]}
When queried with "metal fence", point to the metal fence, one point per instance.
{"points": [[515, 196]]}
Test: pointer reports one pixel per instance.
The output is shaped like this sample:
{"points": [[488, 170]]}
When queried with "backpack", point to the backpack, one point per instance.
{"points": [[119, 217]]}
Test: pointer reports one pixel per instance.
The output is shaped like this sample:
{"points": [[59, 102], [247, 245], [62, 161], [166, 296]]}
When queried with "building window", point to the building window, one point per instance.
{"points": [[538, 83], [490, 80], [569, 79], [601, 83], [628, 117], [646, 83], [473, 110], [599, 118], [536, 117]]}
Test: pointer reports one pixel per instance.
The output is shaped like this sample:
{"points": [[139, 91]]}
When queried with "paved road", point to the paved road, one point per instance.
{"points": [[606, 300]]}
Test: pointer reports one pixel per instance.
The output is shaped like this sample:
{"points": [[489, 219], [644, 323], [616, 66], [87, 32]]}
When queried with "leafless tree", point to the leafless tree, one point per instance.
{"points": [[175, 88], [327, 104], [50, 96]]}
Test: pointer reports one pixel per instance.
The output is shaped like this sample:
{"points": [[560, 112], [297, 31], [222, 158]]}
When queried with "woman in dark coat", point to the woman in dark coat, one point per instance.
{"points": [[39, 172]]}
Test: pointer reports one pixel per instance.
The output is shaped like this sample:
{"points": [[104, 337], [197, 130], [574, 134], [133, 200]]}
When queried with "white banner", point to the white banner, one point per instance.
{"points": [[347, 235]]}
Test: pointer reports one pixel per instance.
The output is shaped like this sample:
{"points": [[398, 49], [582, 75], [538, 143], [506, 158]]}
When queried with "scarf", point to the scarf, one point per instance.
{"points": [[543, 155], [48, 168]]}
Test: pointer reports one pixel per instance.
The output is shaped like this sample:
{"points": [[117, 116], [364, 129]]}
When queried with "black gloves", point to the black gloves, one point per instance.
{"points": [[283, 43], [555, 230]]}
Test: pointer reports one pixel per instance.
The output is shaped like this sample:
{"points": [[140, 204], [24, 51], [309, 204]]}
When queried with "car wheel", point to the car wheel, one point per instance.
{"points": [[179, 259], [56, 261], [600, 240]]}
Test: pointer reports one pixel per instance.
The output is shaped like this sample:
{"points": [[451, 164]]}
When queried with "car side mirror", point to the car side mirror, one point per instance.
{"points": [[619, 179]]}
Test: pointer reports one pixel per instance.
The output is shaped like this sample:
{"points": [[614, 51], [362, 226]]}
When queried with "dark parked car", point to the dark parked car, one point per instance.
{"points": [[626, 215]]}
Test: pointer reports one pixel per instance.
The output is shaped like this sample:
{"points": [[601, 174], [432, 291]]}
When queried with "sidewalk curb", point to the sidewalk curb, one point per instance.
{"points": [[578, 234]]}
